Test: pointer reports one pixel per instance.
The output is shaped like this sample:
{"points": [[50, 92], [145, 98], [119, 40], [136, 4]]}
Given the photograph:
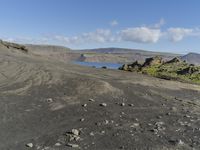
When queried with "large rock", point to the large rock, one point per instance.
{"points": [[189, 70], [174, 60], [153, 61], [135, 66]]}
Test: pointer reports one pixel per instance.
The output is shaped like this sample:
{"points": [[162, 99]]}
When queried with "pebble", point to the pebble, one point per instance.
{"points": [[91, 100], [131, 105], [91, 133], [103, 104], [73, 145], [75, 132], [84, 105], [82, 119], [106, 121], [29, 145], [176, 142], [159, 117], [174, 109], [122, 104], [134, 125], [49, 100], [57, 144]]}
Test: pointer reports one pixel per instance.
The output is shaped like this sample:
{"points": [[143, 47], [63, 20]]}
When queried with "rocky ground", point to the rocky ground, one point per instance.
{"points": [[50, 105]]}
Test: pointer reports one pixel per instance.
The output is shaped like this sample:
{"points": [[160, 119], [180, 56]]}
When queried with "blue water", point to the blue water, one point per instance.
{"points": [[99, 64]]}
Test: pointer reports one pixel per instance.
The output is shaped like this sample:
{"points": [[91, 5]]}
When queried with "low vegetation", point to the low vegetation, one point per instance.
{"points": [[175, 69]]}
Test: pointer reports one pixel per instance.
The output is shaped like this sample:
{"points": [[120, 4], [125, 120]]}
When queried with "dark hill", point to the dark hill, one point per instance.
{"points": [[192, 58]]}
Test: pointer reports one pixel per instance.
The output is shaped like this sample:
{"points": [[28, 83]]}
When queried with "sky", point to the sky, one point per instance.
{"points": [[158, 25]]}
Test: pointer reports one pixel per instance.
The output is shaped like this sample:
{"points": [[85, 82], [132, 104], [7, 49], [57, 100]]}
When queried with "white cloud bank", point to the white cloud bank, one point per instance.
{"points": [[98, 36], [141, 34], [177, 34]]}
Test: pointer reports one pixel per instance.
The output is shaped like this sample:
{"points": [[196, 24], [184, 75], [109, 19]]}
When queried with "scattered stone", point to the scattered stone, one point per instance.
{"points": [[176, 142], [136, 119], [98, 123], [158, 127], [163, 105], [180, 142], [168, 114], [155, 131], [103, 104], [49, 100], [75, 132], [103, 132], [91, 100], [134, 125], [73, 135], [187, 116], [106, 122], [159, 117], [30, 145], [73, 145], [174, 109], [84, 105], [122, 104], [57, 144], [82, 119], [131, 105], [91, 133]]}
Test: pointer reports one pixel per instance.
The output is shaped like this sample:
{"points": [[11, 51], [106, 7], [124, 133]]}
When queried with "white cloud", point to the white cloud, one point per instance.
{"points": [[141, 35], [98, 36], [114, 23], [177, 34], [160, 23]]}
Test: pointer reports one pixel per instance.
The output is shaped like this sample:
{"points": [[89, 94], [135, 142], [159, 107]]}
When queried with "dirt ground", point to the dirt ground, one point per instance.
{"points": [[52, 105]]}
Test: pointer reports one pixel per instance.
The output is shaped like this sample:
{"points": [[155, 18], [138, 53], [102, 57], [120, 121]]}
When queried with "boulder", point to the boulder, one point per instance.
{"points": [[189, 70], [174, 60], [157, 60], [135, 66]]}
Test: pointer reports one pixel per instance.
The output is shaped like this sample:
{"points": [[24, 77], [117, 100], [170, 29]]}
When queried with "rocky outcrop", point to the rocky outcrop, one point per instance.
{"points": [[153, 61], [174, 60], [14, 45], [135, 66], [174, 69], [189, 70]]}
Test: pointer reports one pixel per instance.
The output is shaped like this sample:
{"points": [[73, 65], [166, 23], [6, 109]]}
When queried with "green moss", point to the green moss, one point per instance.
{"points": [[174, 69], [170, 72]]}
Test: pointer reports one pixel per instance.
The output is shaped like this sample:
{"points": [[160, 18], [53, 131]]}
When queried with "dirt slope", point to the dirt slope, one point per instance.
{"points": [[42, 100]]}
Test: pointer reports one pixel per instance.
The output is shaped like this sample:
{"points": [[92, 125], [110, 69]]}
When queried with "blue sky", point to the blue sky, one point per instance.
{"points": [[160, 25]]}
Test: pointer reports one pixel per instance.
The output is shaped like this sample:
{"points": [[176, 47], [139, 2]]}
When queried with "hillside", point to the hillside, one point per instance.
{"points": [[120, 55], [192, 58], [48, 104]]}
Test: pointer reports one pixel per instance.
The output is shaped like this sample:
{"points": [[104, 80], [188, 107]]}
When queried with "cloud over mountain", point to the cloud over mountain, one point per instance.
{"points": [[141, 35]]}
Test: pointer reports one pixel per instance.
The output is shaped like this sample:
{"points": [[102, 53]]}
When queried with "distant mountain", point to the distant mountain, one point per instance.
{"points": [[47, 48], [112, 50], [121, 55], [192, 58]]}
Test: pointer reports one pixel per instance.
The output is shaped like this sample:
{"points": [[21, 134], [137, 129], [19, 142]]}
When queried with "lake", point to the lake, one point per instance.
{"points": [[99, 64]]}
